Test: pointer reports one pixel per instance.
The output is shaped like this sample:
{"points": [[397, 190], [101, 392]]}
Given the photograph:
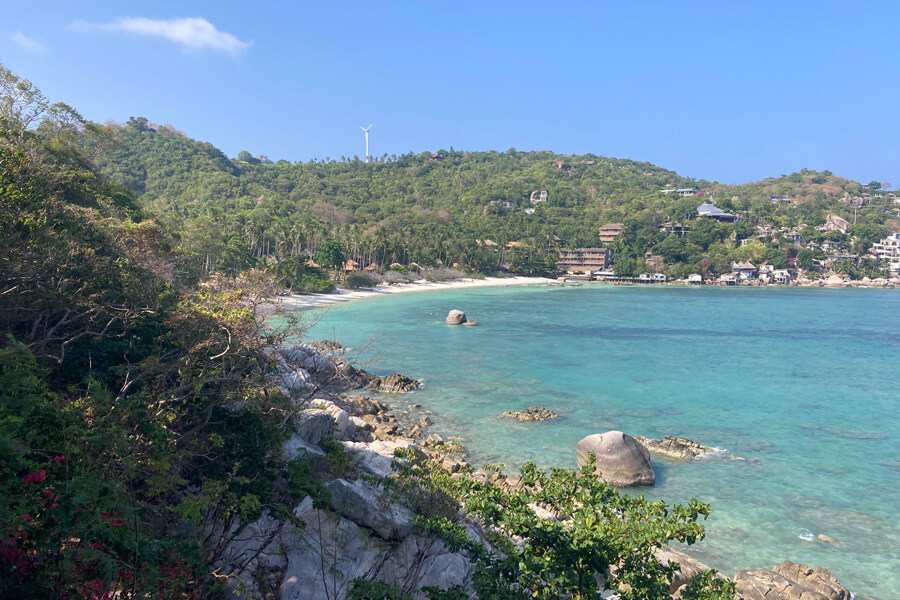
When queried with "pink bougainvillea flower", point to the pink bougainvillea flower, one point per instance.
{"points": [[35, 477]]}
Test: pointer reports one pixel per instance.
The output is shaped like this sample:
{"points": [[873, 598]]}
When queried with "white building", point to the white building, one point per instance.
{"points": [[888, 252], [743, 271]]}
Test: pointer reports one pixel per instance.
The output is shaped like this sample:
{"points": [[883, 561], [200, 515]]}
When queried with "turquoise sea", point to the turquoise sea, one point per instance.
{"points": [[801, 387]]}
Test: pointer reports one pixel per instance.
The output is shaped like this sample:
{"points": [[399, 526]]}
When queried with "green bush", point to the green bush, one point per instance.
{"points": [[356, 280], [594, 530]]}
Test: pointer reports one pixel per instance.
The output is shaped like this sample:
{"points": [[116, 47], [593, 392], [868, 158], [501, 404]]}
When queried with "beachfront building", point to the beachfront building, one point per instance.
{"points": [[743, 271], [695, 279], [609, 232], [782, 276], [583, 260], [727, 279], [711, 211], [888, 253], [606, 275], [652, 278]]}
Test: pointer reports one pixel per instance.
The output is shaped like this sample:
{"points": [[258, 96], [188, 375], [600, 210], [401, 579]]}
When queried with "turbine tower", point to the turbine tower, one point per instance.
{"points": [[366, 129]]}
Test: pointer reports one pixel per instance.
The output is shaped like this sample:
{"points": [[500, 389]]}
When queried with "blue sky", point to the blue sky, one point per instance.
{"points": [[727, 91]]}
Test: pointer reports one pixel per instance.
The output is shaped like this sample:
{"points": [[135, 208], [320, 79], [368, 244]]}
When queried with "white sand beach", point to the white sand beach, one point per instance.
{"points": [[308, 301]]}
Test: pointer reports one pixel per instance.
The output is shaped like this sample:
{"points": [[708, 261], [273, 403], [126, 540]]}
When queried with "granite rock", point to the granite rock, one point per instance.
{"points": [[456, 317], [395, 383], [675, 447], [362, 503], [532, 413], [622, 461], [790, 581]]}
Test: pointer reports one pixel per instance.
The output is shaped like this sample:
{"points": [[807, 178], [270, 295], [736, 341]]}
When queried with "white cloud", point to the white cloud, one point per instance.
{"points": [[27, 44], [191, 33]]}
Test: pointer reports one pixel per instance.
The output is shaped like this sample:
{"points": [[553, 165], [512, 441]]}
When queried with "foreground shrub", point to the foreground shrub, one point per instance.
{"points": [[551, 535]]}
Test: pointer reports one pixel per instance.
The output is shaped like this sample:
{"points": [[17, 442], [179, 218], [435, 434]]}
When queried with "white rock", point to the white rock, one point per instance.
{"points": [[326, 556], [362, 503], [375, 458], [295, 445], [313, 424]]}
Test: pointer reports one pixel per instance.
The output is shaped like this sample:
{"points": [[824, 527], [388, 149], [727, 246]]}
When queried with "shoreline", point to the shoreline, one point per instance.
{"points": [[300, 302], [293, 302]]}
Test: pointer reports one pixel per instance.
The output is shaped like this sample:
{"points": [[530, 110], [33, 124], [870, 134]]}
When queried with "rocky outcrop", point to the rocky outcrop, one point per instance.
{"points": [[301, 369], [532, 413], [329, 346], [361, 502], [313, 425], [365, 536], [330, 552], [675, 447], [621, 460], [375, 458], [790, 581], [395, 383], [324, 419], [456, 317], [363, 405], [688, 567], [363, 531]]}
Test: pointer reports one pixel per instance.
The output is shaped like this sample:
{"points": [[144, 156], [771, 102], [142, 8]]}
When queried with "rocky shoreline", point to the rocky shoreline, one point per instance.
{"points": [[360, 532]]}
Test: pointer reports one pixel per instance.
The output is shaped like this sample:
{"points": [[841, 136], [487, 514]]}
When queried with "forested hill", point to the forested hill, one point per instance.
{"points": [[438, 208], [400, 207], [164, 164]]}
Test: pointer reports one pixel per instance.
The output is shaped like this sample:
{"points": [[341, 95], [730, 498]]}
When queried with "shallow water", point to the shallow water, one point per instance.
{"points": [[800, 386]]}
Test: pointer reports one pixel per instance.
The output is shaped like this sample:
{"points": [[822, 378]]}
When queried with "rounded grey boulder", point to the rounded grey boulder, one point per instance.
{"points": [[622, 461], [456, 317]]}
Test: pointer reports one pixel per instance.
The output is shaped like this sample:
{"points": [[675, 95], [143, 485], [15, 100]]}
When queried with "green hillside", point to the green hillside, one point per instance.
{"points": [[432, 209]]}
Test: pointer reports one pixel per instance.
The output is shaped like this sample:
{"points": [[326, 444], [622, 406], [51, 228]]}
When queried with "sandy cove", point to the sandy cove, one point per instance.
{"points": [[310, 301]]}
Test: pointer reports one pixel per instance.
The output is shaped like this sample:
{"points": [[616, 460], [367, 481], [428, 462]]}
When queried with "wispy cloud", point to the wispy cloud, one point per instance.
{"points": [[27, 44], [190, 33]]}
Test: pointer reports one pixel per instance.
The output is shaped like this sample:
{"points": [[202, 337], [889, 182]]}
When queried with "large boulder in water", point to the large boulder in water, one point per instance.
{"points": [[790, 581], [622, 461], [675, 447], [456, 317], [395, 383]]}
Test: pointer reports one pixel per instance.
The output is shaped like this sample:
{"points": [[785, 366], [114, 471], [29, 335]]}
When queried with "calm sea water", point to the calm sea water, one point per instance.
{"points": [[800, 386]]}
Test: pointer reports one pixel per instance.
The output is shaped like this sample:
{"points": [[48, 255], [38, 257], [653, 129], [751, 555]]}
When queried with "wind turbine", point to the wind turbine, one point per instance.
{"points": [[366, 129]]}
